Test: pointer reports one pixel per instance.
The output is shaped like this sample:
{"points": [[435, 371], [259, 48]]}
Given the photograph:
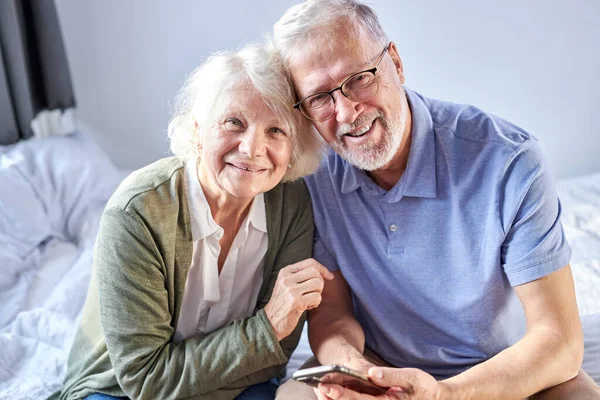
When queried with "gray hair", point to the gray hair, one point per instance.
{"points": [[295, 31], [206, 93]]}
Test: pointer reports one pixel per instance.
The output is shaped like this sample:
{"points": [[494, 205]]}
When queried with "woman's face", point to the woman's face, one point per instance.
{"points": [[247, 151]]}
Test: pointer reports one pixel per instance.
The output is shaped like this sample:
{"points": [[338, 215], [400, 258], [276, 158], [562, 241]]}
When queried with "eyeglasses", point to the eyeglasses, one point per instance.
{"points": [[361, 86]]}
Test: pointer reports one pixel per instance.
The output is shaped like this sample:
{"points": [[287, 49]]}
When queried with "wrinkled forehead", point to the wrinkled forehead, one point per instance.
{"points": [[325, 62], [247, 101]]}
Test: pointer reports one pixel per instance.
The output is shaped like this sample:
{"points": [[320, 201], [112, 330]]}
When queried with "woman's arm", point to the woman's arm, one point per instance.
{"points": [[137, 321]]}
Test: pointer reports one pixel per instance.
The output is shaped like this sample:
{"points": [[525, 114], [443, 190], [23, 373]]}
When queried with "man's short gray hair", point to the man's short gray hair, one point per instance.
{"points": [[296, 30], [206, 94]]}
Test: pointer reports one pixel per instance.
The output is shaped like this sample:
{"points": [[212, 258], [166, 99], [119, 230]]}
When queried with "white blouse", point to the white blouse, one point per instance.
{"points": [[212, 300]]}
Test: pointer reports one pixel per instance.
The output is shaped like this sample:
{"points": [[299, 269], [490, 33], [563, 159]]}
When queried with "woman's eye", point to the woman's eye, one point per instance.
{"points": [[277, 130], [233, 122]]}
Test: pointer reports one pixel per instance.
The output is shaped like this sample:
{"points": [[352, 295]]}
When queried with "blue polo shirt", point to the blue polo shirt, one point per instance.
{"points": [[431, 263]]}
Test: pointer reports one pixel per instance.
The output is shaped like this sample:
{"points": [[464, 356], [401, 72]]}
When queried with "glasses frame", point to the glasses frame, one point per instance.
{"points": [[330, 93]]}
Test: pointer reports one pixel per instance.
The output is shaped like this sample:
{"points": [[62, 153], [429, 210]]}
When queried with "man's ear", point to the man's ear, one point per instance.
{"points": [[393, 52]]}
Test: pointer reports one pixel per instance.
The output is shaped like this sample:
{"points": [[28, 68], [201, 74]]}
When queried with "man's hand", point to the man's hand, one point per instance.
{"points": [[404, 383], [297, 289], [359, 364]]}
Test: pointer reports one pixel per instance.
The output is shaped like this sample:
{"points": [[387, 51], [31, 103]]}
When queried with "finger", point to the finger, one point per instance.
{"points": [[336, 392], [293, 292], [300, 265], [305, 274], [310, 262], [325, 273], [313, 285], [320, 396], [311, 300], [398, 377]]}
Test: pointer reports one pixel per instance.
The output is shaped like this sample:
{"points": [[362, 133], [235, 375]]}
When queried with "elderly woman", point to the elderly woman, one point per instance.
{"points": [[202, 271]]}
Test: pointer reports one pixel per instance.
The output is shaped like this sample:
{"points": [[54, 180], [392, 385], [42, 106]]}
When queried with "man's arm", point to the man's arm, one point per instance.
{"points": [[335, 335], [550, 353]]}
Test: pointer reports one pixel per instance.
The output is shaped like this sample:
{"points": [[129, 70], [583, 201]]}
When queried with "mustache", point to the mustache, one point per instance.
{"points": [[362, 120]]}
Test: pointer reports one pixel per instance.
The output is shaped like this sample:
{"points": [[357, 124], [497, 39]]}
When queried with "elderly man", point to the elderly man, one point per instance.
{"points": [[440, 223]]}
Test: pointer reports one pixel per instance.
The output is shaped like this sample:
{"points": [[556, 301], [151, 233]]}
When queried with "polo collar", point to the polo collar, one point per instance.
{"points": [[419, 178]]}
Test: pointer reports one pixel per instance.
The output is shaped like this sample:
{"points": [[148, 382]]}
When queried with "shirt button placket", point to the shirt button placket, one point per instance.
{"points": [[394, 240]]}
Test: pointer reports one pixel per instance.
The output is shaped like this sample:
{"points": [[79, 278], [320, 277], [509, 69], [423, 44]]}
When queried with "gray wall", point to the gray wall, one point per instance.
{"points": [[533, 62]]}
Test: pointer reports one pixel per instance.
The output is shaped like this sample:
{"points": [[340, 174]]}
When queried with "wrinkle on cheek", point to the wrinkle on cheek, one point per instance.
{"points": [[389, 83]]}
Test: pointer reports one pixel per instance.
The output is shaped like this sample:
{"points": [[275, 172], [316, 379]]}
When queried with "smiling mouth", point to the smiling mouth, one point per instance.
{"points": [[361, 132], [247, 168]]}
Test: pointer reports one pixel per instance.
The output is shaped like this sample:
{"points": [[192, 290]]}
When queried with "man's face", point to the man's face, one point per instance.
{"points": [[367, 134]]}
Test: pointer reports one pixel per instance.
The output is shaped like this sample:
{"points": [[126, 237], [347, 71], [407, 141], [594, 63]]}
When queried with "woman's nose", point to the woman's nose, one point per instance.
{"points": [[253, 143]]}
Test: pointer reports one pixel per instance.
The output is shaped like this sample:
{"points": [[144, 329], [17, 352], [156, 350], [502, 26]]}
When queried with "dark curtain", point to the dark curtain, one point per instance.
{"points": [[34, 74]]}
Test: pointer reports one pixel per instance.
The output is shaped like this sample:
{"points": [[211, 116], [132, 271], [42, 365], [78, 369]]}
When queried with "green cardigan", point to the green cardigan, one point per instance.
{"points": [[124, 346]]}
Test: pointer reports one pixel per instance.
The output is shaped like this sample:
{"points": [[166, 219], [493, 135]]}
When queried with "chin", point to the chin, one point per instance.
{"points": [[243, 193], [249, 187]]}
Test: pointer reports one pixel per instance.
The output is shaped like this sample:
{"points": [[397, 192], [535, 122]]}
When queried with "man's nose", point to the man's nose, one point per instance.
{"points": [[346, 110]]}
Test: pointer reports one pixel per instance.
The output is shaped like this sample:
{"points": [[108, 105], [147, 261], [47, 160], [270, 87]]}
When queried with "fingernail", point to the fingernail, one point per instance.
{"points": [[324, 389], [376, 373]]}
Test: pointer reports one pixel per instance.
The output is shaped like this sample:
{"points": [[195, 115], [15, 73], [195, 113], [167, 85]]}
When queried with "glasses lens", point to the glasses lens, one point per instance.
{"points": [[318, 107], [361, 87]]}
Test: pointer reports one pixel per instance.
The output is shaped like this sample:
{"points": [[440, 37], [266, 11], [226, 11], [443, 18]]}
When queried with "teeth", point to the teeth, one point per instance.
{"points": [[248, 169], [361, 131]]}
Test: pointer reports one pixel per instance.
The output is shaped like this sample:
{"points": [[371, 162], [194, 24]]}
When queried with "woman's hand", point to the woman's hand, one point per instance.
{"points": [[298, 288]]}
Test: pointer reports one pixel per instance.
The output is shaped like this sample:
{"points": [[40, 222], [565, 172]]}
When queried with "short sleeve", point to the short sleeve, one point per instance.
{"points": [[322, 254], [534, 243]]}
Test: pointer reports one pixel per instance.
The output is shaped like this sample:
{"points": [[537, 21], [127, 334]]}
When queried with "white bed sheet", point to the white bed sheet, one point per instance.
{"points": [[52, 193], [580, 198]]}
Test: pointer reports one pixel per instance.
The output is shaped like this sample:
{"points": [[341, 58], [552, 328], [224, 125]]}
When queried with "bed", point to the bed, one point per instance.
{"points": [[52, 193]]}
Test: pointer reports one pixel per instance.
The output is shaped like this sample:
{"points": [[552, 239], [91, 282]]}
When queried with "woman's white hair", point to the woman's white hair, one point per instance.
{"points": [[328, 20], [207, 93]]}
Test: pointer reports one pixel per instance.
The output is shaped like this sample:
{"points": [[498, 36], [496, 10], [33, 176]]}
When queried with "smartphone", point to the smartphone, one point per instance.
{"points": [[339, 375]]}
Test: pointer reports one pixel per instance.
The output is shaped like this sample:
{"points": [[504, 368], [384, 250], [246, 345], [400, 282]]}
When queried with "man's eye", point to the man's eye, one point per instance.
{"points": [[317, 100], [360, 81]]}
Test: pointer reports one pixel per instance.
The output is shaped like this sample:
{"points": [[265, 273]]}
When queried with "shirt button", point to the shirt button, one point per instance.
{"points": [[393, 228]]}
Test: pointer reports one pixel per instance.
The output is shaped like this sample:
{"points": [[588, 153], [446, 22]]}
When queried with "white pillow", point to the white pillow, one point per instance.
{"points": [[46, 188]]}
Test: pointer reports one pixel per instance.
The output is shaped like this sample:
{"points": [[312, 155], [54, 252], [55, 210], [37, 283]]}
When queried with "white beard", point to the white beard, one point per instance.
{"points": [[372, 156]]}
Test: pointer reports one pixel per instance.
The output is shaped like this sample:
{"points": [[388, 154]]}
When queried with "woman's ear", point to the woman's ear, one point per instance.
{"points": [[196, 134]]}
